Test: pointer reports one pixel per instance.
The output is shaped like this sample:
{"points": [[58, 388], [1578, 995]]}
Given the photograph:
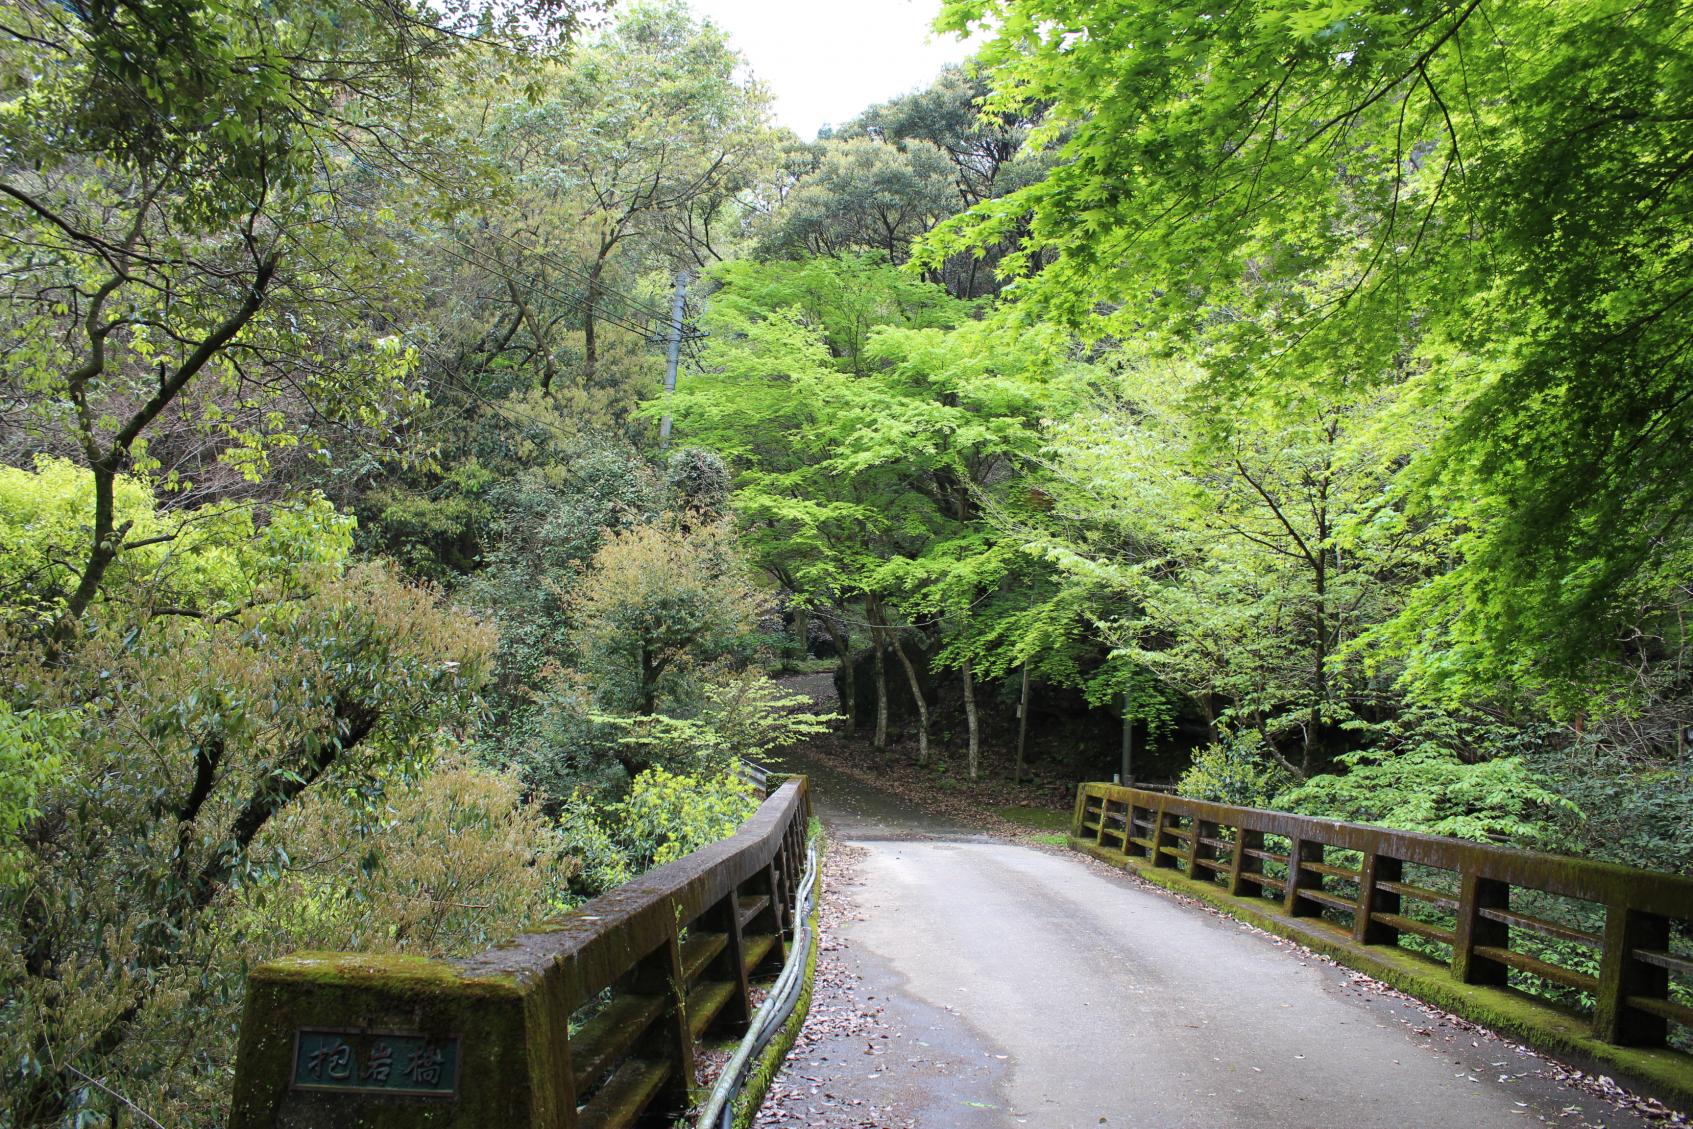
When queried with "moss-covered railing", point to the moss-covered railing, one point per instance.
{"points": [[589, 1022], [1397, 902]]}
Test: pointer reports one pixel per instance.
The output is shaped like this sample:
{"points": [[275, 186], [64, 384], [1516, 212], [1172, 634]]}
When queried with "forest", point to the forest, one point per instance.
{"points": [[1287, 400]]}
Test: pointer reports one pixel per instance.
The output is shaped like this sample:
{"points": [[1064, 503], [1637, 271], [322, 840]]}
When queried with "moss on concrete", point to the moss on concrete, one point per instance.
{"points": [[511, 1042], [764, 1071], [1663, 1073], [392, 971]]}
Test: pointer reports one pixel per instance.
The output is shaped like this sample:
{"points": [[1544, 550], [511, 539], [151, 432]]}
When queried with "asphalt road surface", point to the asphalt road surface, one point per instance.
{"points": [[974, 982]]}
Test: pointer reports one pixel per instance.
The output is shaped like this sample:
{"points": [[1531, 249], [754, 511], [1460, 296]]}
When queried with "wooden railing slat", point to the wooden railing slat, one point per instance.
{"points": [[1666, 960], [1544, 969], [608, 1036], [621, 1101]]}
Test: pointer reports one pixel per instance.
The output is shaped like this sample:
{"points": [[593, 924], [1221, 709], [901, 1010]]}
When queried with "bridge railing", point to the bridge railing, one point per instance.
{"points": [[1376, 886], [589, 1022]]}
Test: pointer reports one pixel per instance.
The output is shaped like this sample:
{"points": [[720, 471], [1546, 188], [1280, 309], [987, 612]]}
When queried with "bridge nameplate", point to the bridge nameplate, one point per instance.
{"points": [[376, 1062]]}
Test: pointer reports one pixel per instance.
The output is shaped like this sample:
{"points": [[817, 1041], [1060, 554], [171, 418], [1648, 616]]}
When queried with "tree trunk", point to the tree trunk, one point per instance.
{"points": [[881, 740], [849, 680], [802, 630], [101, 554], [975, 757], [1022, 727], [916, 696], [650, 670]]}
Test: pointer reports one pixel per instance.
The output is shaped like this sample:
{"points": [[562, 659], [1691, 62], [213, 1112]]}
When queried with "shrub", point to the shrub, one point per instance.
{"points": [[1235, 772], [665, 815]]}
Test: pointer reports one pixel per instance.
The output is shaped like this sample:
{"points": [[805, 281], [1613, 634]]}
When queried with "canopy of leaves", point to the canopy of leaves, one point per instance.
{"points": [[1486, 197]]}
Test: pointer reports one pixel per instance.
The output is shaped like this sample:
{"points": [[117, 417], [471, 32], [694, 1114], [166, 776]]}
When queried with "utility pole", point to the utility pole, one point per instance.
{"points": [[674, 356], [1022, 725], [1127, 776]]}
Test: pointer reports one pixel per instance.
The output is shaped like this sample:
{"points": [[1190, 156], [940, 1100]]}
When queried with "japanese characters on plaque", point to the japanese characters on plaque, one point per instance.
{"points": [[376, 1062]]}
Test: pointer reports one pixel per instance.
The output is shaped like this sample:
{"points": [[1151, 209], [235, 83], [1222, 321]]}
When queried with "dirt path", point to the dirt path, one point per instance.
{"points": [[969, 981]]}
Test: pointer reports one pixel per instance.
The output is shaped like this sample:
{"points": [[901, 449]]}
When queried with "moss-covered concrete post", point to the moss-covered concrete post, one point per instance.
{"points": [[1245, 863], [1198, 848], [1160, 836], [1299, 852], [671, 1039], [1477, 931], [394, 1042], [1373, 898], [1622, 976], [1077, 816]]}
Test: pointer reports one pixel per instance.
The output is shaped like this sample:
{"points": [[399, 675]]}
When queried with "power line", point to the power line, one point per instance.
{"points": [[473, 257], [653, 313]]}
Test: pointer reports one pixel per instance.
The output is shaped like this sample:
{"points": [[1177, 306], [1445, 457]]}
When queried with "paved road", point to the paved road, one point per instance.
{"points": [[1006, 985]]}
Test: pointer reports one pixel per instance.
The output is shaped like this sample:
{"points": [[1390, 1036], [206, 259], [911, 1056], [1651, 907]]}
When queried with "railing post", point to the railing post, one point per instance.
{"points": [[731, 964], [1080, 812], [661, 974], [1373, 899], [1476, 894], [781, 883], [1246, 839], [1298, 878], [769, 919], [1160, 836], [1133, 848], [1196, 849], [1622, 976]]}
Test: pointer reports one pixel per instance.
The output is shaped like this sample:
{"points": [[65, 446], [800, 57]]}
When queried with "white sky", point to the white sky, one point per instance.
{"points": [[825, 61]]}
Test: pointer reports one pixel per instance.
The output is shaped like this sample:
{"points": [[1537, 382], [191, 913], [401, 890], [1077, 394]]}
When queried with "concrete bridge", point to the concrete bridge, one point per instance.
{"points": [[1014, 985], [988, 983]]}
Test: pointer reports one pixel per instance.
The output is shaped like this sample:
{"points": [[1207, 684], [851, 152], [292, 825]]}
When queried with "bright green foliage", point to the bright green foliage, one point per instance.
{"points": [[745, 716], [1486, 199], [841, 301], [858, 413], [1246, 566], [1427, 772], [661, 603], [30, 741], [789, 343], [1427, 788], [665, 815], [209, 561], [1234, 773]]}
